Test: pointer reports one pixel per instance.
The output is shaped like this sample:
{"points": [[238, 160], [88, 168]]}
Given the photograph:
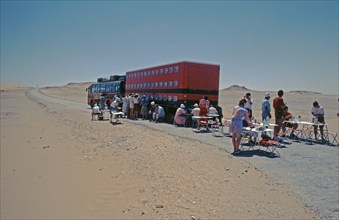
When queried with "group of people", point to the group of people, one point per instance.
{"points": [[242, 117], [183, 115]]}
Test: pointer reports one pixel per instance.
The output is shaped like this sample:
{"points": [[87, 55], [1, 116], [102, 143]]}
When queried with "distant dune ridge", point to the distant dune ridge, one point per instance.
{"points": [[243, 88], [236, 88], [303, 92]]}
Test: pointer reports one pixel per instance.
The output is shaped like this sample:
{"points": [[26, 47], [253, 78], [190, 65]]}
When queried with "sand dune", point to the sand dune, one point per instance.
{"points": [[66, 166]]}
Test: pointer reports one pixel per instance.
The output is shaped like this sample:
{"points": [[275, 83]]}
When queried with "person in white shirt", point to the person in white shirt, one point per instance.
{"points": [[195, 111], [318, 118], [114, 107], [158, 114], [212, 110], [96, 110]]}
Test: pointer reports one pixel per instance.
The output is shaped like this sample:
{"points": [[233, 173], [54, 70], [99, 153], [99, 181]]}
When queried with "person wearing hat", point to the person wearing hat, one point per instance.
{"points": [[195, 111], [266, 109], [96, 111], [151, 111], [158, 114], [180, 117]]}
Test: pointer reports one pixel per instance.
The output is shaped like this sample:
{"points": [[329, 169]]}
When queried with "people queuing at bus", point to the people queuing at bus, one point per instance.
{"points": [[180, 117]]}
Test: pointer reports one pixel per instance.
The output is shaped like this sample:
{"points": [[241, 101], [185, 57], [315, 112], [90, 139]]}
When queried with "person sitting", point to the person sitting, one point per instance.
{"points": [[158, 114], [212, 111], [195, 112], [96, 111], [288, 117], [179, 117]]}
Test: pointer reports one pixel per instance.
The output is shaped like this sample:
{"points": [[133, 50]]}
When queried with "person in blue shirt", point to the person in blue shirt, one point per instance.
{"points": [[266, 109], [144, 106], [102, 101]]}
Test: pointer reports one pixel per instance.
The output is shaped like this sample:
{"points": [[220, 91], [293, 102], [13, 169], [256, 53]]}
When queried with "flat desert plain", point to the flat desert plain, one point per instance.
{"points": [[58, 164]]}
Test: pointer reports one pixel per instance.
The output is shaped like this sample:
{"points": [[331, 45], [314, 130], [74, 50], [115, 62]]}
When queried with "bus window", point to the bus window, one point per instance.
{"points": [[102, 88]]}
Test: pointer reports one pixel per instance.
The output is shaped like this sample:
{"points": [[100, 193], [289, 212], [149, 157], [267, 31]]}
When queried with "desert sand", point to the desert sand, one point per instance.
{"points": [[58, 164]]}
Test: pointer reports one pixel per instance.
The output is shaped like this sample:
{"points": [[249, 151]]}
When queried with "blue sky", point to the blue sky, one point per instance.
{"points": [[263, 45]]}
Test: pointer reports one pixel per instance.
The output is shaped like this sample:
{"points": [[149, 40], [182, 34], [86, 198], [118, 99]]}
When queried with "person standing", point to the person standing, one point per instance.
{"points": [[248, 104], [266, 109], [102, 101], [144, 105], [125, 105], [318, 114], [136, 102], [278, 105], [131, 106], [239, 114], [204, 105]]}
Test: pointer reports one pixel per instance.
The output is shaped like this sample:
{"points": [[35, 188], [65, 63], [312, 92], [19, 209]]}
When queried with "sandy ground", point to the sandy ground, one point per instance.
{"points": [[58, 164]]}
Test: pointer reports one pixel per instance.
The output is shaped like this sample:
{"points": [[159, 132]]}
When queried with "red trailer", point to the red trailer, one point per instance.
{"points": [[172, 84]]}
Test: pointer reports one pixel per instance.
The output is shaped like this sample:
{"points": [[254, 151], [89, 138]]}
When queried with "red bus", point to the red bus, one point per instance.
{"points": [[172, 84]]}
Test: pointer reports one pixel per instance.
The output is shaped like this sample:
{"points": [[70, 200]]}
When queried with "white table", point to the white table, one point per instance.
{"points": [[117, 116], [201, 122]]}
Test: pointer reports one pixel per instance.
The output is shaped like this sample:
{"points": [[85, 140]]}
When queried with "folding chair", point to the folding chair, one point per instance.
{"points": [[332, 139], [270, 146], [248, 140]]}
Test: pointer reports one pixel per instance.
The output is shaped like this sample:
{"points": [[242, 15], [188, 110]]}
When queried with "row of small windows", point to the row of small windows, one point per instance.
{"points": [[152, 85], [172, 69], [164, 98], [110, 87]]}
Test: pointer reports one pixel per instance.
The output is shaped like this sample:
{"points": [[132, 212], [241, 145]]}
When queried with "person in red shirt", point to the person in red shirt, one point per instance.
{"points": [[278, 105], [288, 117], [204, 105]]}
